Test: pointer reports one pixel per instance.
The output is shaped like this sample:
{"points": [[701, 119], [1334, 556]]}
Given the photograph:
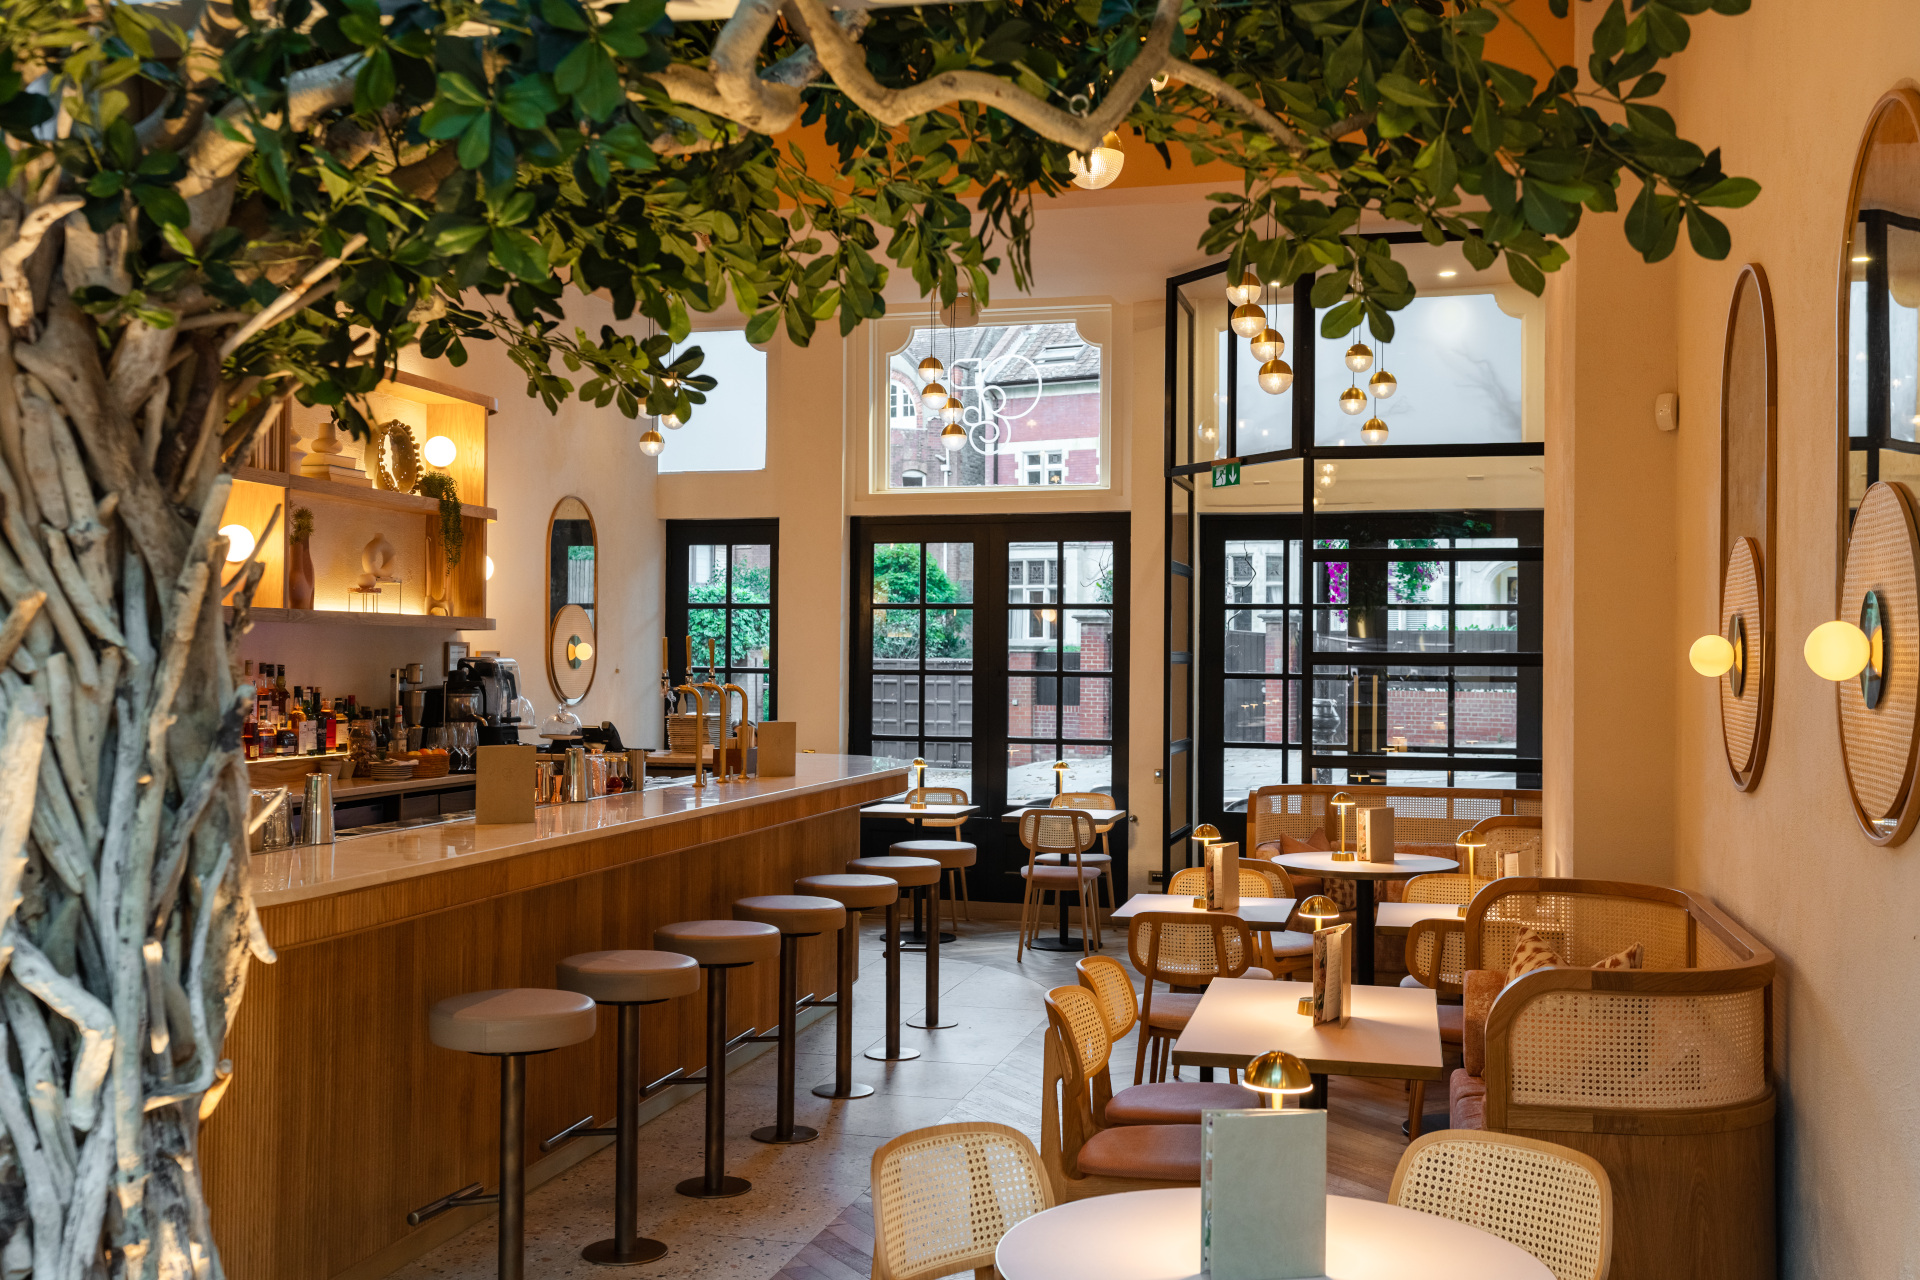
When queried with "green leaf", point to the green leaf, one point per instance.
{"points": [[457, 89], [761, 327], [1525, 274], [1398, 88], [1340, 321], [454, 241], [588, 76], [1320, 10], [565, 15], [1729, 193], [162, 204], [1648, 85], [1666, 30], [527, 102], [107, 182], [176, 239], [1329, 289], [1708, 235], [1113, 13], [373, 83], [1343, 61], [1610, 36], [476, 144]]}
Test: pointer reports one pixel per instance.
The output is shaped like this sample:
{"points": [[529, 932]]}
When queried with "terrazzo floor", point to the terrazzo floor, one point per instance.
{"points": [[808, 1216]]}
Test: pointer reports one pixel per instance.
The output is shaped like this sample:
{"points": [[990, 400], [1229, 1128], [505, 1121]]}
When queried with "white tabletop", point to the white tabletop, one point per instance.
{"points": [[1394, 1031], [1101, 817], [1402, 916], [1265, 914], [1155, 1235], [900, 809], [1403, 867]]}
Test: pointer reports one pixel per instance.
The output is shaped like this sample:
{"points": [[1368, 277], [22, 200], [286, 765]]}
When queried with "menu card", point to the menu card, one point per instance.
{"points": [[1333, 975], [1223, 877], [1263, 1194], [1376, 834]]}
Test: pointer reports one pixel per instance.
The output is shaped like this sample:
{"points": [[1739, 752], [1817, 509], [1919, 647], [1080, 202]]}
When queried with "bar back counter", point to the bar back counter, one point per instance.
{"points": [[341, 1115]]}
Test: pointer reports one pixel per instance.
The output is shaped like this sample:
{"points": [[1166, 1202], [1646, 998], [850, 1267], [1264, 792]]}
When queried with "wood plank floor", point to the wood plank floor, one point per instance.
{"points": [[809, 1216]]}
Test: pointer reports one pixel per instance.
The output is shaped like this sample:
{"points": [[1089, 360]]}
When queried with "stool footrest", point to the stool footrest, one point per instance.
{"points": [[676, 1076], [467, 1196], [811, 1003], [578, 1129]]}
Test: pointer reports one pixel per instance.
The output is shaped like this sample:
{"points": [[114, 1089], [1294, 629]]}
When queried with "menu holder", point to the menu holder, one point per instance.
{"points": [[1263, 1194], [1223, 877], [1526, 862], [774, 755], [1376, 834], [1333, 975], [503, 784]]}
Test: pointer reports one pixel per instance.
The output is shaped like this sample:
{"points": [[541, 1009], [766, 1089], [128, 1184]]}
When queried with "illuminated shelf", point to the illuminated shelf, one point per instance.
{"points": [[340, 617], [354, 493]]}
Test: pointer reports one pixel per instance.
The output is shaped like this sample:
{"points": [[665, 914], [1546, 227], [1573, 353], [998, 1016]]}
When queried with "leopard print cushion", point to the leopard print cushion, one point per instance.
{"points": [[1628, 958], [1529, 953]]}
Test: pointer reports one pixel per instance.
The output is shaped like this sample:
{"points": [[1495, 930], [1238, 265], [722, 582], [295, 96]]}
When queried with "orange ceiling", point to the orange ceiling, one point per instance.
{"points": [[1507, 45]]}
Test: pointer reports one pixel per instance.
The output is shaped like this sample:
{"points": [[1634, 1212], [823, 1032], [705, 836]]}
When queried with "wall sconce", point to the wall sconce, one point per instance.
{"points": [[239, 542], [1839, 650], [1278, 1075], [1714, 656], [440, 452]]}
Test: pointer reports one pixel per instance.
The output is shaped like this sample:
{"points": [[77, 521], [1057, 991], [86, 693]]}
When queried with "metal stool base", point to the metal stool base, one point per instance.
{"points": [[881, 1055], [771, 1134], [853, 1091], [606, 1253], [730, 1187], [926, 1024]]}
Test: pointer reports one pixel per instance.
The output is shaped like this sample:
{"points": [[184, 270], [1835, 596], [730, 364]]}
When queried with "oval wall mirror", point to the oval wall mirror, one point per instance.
{"points": [[572, 600], [1747, 421], [1879, 422]]}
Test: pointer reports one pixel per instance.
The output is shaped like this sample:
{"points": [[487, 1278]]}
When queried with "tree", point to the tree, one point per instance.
{"points": [[750, 626], [209, 209]]}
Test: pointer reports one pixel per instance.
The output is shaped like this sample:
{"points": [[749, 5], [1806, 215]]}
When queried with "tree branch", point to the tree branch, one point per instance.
{"points": [[15, 289], [1213, 86], [296, 297], [760, 105]]}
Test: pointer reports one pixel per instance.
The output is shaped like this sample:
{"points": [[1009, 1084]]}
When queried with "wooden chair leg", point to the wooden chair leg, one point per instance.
{"points": [[1416, 1108], [966, 898]]}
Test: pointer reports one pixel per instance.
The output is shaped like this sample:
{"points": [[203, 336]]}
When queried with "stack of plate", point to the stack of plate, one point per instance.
{"points": [[681, 733], [391, 770]]}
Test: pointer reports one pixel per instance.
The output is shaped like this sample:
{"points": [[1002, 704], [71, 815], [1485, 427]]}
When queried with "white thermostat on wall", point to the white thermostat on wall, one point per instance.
{"points": [[1666, 411]]}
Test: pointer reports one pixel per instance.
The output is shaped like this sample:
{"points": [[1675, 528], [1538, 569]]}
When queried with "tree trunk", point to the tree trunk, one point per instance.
{"points": [[126, 920]]}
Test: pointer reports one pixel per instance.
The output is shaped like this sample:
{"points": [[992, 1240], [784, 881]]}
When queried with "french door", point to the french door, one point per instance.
{"points": [[722, 585], [994, 649]]}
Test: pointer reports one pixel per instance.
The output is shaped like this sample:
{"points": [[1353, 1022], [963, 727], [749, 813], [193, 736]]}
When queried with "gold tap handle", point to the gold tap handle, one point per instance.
{"points": [[666, 663], [689, 657], [709, 657]]}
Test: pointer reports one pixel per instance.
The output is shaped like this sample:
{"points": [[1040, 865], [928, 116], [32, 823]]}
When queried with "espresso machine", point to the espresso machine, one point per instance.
{"points": [[498, 682]]}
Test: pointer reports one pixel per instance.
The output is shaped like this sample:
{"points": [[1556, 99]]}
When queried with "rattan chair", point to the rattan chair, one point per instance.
{"points": [[1510, 834], [1436, 958], [1280, 953], [1104, 858], [943, 1197], [1454, 887], [1171, 1102], [1082, 1155], [1186, 952], [1552, 1201], [959, 901], [1068, 833]]}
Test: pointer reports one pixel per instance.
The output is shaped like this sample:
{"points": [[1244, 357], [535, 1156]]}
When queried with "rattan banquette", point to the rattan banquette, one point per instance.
{"points": [[1663, 1073]]}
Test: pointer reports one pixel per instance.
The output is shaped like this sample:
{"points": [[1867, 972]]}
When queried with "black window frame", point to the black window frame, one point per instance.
{"points": [[682, 536]]}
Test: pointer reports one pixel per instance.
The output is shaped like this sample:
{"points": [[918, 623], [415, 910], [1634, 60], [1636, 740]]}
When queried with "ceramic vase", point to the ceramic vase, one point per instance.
{"points": [[299, 575]]}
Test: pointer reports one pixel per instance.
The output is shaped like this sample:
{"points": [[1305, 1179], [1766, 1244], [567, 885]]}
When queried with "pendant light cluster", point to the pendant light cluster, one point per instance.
{"points": [[941, 402], [1250, 321], [1353, 401], [652, 443]]}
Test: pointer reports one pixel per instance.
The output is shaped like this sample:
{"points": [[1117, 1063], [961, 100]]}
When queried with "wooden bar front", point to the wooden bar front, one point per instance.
{"points": [[342, 1116]]}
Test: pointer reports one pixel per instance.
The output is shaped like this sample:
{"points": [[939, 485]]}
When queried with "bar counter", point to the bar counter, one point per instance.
{"points": [[342, 1115]]}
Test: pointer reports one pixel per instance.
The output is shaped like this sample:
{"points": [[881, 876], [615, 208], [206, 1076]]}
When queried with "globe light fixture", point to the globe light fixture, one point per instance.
{"points": [[933, 396], [952, 436], [1353, 402], [931, 368], [1246, 291], [652, 443], [1268, 344], [1374, 431], [440, 452], [1247, 320], [1275, 377], [239, 542], [1711, 656], [1359, 357], [1837, 650], [489, 559], [1383, 385], [953, 411], [1099, 169], [671, 421]]}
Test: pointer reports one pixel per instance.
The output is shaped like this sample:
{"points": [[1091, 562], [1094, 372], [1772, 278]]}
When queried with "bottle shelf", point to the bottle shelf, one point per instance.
{"points": [[341, 617]]}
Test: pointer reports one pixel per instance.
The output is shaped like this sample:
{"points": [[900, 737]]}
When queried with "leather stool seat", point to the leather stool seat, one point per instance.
{"points": [[800, 915], [630, 977], [1177, 1102], [908, 873], [856, 893], [950, 854], [720, 942], [511, 1020], [1159, 1152]]}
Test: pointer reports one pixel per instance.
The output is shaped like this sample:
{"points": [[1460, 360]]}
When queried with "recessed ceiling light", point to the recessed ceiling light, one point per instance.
{"points": [[1448, 275]]}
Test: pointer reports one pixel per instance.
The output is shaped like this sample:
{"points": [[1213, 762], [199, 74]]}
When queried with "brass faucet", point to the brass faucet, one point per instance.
{"points": [[700, 730], [736, 745], [720, 702]]}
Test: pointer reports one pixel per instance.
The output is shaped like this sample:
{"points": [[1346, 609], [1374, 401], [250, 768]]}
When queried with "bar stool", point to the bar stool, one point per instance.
{"points": [[954, 857], [626, 980], [796, 916], [856, 894], [507, 1024], [717, 946], [909, 874]]}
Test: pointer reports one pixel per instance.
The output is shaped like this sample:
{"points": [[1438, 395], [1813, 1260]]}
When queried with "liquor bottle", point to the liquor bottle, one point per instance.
{"points": [[297, 720], [280, 692], [286, 740], [249, 727]]}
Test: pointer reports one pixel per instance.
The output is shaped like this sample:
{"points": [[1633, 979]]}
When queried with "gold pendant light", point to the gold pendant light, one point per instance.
{"points": [[952, 412], [1353, 402], [1383, 385], [931, 368], [652, 443], [1373, 431], [1268, 345], [1247, 320], [1359, 357], [1101, 168], [952, 436], [1275, 377], [1246, 291]]}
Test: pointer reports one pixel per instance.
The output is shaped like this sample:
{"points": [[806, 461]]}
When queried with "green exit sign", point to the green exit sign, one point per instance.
{"points": [[1226, 475]]}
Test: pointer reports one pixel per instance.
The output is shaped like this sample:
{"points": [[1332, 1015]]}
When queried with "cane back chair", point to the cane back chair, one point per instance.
{"points": [[943, 1197]]}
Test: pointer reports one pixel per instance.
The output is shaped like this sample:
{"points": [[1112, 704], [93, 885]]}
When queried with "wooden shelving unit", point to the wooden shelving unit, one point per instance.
{"points": [[409, 502], [342, 618]]}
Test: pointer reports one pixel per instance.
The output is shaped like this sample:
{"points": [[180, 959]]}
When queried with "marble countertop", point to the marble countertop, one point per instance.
{"points": [[357, 862]]}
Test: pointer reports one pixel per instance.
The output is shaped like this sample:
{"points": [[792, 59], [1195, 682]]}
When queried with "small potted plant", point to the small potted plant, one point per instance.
{"points": [[300, 561]]}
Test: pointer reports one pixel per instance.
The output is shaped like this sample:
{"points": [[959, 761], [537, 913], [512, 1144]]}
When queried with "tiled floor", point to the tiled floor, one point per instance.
{"points": [[808, 1216]]}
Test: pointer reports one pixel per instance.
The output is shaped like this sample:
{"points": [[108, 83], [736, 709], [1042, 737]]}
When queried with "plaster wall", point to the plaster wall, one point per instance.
{"points": [[1786, 90]]}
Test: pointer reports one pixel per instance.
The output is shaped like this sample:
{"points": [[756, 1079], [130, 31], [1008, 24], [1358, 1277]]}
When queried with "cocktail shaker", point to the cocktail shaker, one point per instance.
{"points": [[316, 818], [578, 788]]}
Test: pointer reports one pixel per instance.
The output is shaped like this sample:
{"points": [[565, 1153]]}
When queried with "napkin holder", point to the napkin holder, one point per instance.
{"points": [[1223, 877], [1263, 1194], [1376, 834], [1333, 975]]}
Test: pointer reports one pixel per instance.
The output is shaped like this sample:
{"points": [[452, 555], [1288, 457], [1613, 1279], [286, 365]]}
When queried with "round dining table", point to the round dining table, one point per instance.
{"points": [[1363, 873], [1155, 1235]]}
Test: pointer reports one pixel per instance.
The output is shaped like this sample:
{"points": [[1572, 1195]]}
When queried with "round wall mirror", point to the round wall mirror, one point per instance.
{"points": [[572, 600], [1879, 423]]}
